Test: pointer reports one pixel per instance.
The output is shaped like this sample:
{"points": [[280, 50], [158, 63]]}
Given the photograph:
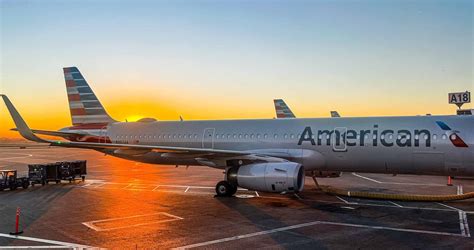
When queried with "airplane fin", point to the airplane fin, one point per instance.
{"points": [[21, 125], [84, 105], [335, 114], [282, 110]]}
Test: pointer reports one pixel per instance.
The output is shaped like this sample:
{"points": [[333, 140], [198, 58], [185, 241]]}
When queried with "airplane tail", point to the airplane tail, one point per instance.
{"points": [[282, 110], [83, 103]]}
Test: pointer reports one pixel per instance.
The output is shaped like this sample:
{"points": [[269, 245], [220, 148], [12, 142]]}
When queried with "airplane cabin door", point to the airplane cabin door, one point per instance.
{"points": [[208, 138]]}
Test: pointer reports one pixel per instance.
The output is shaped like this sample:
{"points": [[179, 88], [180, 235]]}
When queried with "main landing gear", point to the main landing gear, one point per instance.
{"points": [[226, 188]]}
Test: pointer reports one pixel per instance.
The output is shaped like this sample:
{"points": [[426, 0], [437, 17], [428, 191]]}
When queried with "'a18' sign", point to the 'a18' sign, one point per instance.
{"points": [[459, 98]]}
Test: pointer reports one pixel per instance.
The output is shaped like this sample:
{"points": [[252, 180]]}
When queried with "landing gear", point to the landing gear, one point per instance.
{"points": [[225, 189]]}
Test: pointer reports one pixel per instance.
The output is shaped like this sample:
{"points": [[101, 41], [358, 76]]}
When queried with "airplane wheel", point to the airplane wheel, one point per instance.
{"points": [[224, 188]]}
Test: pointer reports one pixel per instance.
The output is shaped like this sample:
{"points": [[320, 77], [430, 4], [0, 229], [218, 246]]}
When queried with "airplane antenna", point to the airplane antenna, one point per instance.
{"points": [[180, 118]]}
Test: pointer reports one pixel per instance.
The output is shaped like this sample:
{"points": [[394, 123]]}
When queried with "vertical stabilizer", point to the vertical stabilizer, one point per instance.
{"points": [[83, 103], [282, 110]]}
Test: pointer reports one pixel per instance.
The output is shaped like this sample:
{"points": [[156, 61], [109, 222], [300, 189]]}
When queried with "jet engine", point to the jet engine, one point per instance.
{"points": [[273, 177]]}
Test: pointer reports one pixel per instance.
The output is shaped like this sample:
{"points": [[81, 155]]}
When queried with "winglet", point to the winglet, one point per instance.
{"points": [[24, 130]]}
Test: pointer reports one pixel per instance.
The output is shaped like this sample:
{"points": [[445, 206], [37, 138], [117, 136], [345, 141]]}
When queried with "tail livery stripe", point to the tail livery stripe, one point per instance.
{"points": [[282, 110], [452, 135], [83, 103]]}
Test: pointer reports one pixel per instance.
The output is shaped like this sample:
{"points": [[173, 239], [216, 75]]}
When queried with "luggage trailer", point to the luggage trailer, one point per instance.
{"points": [[56, 172]]}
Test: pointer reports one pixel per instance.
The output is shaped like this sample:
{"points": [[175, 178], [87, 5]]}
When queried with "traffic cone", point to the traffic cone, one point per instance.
{"points": [[17, 223], [450, 183]]}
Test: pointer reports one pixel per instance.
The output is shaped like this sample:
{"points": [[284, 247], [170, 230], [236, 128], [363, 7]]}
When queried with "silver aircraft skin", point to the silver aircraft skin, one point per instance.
{"points": [[272, 154]]}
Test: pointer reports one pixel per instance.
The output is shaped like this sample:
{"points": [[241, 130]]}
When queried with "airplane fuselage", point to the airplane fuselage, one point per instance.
{"points": [[436, 145]]}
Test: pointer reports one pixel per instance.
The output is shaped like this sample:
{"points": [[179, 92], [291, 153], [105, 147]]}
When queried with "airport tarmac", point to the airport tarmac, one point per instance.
{"points": [[123, 204]]}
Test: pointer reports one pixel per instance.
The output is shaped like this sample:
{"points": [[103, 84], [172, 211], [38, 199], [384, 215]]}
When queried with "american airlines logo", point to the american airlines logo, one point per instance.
{"points": [[386, 138], [452, 135]]}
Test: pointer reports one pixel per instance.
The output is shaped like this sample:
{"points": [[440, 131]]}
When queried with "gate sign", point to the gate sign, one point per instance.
{"points": [[459, 98]]}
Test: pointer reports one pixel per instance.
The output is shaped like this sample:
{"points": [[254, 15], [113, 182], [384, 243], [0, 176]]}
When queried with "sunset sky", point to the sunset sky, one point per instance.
{"points": [[229, 59]]}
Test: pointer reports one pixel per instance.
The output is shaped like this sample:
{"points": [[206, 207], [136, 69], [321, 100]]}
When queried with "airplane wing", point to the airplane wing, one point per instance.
{"points": [[53, 133], [27, 133]]}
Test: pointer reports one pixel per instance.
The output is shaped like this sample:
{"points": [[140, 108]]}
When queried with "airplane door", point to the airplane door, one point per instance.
{"points": [[208, 138], [338, 139]]}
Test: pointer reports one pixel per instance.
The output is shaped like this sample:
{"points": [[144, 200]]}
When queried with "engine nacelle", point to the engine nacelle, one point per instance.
{"points": [[273, 177], [324, 174]]}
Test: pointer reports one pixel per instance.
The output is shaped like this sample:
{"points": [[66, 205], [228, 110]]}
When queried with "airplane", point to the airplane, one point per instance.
{"points": [[283, 111], [268, 155]]}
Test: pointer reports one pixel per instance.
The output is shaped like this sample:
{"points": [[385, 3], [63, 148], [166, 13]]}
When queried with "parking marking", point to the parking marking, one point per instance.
{"points": [[39, 247], [55, 242], [396, 204], [347, 202], [397, 183], [367, 178], [281, 229], [90, 224], [186, 190], [16, 157]]}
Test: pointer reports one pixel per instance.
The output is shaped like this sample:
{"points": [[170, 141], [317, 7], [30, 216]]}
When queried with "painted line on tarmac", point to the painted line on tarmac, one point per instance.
{"points": [[398, 183], [90, 224], [347, 202], [282, 229], [17, 157], [396, 204], [367, 178], [39, 247], [55, 242]]}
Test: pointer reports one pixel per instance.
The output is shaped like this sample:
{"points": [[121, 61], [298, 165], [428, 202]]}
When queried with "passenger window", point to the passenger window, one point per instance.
{"points": [[240, 136], [390, 137], [285, 136], [265, 136], [374, 137], [426, 137], [258, 136], [444, 137], [235, 136], [382, 137], [251, 136], [275, 136], [217, 136], [292, 136], [435, 137]]}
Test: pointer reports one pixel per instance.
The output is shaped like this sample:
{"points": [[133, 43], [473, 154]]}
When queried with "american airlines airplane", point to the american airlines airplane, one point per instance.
{"points": [[269, 155]]}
